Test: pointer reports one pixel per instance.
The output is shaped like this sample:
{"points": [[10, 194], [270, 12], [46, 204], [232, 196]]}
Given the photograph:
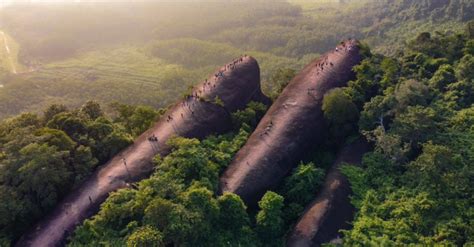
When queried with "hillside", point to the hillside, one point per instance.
{"points": [[411, 108], [161, 48], [121, 127]]}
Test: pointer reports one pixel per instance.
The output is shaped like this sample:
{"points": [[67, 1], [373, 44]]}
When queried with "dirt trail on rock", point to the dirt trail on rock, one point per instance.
{"points": [[332, 209], [196, 116], [291, 126]]}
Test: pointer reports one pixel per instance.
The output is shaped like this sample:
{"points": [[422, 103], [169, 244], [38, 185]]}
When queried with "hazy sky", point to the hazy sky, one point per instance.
{"points": [[7, 2]]}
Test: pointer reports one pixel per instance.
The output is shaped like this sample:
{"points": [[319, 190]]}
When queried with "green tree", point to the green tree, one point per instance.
{"points": [[145, 236], [375, 112], [249, 116], [269, 219], [459, 94], [433, 169], [341, 114], [92, 109], [391, 219], [280, 80], [52, 110], [300, 187], [54, 137], [43, 175], [233, 215], [411, 93], [465, 68], [470, 29], [204, 211], [173, 219], [391, 69], [71, 123], [83, 163], [416, 125], [112, 144], [444, 76], [338, 108], [136, 119], [190, 163], [463, 120], [143, 118], [469, 48]]}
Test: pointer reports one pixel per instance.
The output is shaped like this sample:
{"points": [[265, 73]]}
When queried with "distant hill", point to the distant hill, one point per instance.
{"points": [[149, 52]]}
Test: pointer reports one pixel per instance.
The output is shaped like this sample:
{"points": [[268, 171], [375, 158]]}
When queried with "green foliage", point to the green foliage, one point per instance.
{"points": [[392, 219], [269, 219], [411, 93], [391, 70], [52, 111], [341, 114], [367, 83], [469, 49], [280, 80], [460, 94], [338, 108], [92, 109], [416, 187], [301, 186], [416, 125], [250, 116], [136, 119], [178, 201], [145, 237], [235, 217], [443, 77], [465, 68], [42, 159]]}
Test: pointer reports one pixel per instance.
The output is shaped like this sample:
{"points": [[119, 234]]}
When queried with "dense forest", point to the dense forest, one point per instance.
{"points": [[149, 53], [415, 187], [412, 99]]}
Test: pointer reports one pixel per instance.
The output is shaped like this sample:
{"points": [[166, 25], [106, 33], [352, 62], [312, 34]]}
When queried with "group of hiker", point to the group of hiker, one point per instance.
{"points": [[267, 129], [206, 86], [153, 138], [325, 62], [321, 65]]}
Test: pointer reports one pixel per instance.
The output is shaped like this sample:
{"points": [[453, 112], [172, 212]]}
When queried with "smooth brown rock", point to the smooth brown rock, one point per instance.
{"points": [[291, 126], [332, 209]]}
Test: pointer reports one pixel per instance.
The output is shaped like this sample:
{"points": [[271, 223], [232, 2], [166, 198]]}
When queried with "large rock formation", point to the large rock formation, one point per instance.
{"points": [[292, 124], [332, 209], [205, 111]]}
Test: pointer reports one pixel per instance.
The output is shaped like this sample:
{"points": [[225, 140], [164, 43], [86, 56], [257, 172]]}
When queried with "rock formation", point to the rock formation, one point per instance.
{"points": [[204, 111], [332, 209], [293, 123]]}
